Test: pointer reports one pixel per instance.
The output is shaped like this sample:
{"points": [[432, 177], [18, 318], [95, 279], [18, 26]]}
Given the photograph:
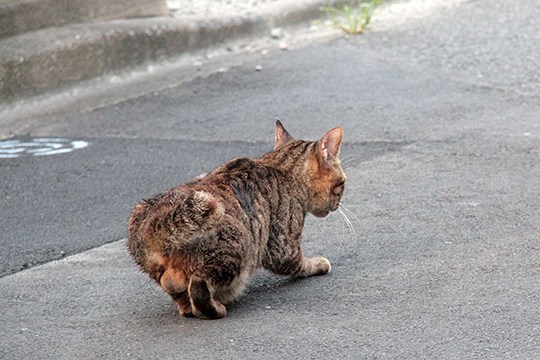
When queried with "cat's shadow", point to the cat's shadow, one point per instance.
{"points": [[264, 282], [265, 292]]}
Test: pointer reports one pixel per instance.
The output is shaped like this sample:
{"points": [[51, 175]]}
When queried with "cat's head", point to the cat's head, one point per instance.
{"points": [[323, 173]]}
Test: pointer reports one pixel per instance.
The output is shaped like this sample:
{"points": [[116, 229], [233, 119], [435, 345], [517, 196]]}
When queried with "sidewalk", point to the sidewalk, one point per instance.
{"points": [[36, 62]]}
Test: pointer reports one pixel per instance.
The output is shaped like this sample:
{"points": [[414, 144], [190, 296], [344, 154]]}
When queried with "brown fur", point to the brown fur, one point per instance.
{"points": [[202, 241]]}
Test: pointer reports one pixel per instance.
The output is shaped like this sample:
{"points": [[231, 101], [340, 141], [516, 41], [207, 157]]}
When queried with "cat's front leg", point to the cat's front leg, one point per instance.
{"points": [[314, 266], [292, 263]]}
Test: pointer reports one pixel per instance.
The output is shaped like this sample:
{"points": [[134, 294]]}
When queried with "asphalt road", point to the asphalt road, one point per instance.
{"points": [[443, 185]]}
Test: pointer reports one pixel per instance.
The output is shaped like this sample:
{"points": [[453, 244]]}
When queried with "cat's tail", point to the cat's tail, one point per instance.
{"points": [[178, 215]]}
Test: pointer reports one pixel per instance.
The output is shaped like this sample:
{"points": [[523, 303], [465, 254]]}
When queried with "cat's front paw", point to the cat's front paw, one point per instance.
{"points": [[320, 265]]}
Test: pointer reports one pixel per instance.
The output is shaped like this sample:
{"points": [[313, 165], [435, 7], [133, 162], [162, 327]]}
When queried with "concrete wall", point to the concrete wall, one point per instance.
{"points": [[19, 16]]}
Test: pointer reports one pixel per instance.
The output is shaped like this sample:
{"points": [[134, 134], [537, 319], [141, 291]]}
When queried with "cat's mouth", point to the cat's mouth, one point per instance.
{"points": [[321, 212]]}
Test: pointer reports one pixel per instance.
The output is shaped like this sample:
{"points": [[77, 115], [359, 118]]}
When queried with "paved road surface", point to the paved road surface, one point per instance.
{"points": [[444, 184]]}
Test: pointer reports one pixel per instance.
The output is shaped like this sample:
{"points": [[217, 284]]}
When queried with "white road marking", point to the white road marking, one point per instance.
{"points": [[14, 148]]}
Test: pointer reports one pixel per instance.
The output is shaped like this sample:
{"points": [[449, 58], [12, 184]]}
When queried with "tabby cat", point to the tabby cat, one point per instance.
{"points": [[202, 241]]}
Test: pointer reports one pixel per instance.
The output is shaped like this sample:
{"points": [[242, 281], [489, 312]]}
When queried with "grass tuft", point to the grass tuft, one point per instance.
{"points": [[354, 17]]}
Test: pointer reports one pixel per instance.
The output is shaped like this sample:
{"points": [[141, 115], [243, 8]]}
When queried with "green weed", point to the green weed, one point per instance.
{"points": [[354, 16]]}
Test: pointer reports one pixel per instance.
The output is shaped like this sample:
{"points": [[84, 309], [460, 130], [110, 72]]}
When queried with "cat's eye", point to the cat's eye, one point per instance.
{"points": [[338, 189]]}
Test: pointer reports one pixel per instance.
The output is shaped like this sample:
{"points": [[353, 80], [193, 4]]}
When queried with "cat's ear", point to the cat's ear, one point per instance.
{"points": [[330, 143], [282, 136]]}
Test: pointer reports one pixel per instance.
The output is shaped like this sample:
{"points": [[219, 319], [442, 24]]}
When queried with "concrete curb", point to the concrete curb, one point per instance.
{"points": [[20, 16], [50, 59]]}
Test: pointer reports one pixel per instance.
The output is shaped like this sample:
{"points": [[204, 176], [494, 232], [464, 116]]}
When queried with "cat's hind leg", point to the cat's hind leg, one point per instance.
{"points": [[174, 283], [184, 304], [229, 293], [203, 303]]}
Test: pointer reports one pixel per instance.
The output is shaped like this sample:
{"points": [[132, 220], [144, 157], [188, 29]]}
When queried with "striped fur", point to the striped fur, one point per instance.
{"points": [[202, 241]]}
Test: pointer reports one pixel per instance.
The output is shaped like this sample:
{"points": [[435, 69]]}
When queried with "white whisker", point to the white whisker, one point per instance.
{"points": [[350, 212], [349, 162], [348, 222], [350, 159], [343, 225]]}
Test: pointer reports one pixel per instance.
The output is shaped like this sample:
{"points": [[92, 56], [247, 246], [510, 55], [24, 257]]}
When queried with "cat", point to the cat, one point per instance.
{"points": [[202, 241]]}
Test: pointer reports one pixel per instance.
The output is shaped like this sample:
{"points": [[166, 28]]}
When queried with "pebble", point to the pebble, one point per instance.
{"points": [[283, 46], [258, 68], [276, 33]]}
